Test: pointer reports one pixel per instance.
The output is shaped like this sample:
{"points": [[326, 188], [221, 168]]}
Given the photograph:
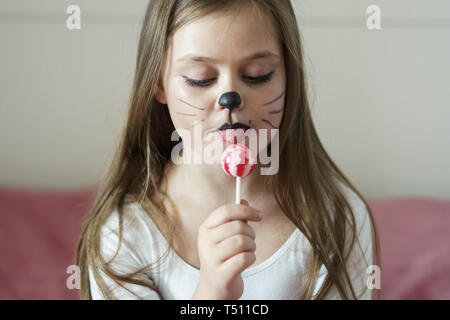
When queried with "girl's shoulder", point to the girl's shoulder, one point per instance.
{"points": [[356, 203], [363, 225], [353, 198], [139, 238]]}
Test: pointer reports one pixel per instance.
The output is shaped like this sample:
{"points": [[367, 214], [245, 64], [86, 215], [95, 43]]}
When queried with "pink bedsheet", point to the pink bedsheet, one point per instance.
{"points": [[415, 247], [38, 238], [39, 233]]}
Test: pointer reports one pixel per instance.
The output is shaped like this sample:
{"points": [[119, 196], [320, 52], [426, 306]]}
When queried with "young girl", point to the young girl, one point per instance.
{"points": [[160, 229]]}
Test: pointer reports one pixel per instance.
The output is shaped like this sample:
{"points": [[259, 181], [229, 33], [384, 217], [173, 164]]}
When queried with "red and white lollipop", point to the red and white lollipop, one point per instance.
{"points": [[238, 161]]}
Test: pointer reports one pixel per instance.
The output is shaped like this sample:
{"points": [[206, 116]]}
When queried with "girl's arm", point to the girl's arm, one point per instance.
{"points": [[127, 260], [120, 293]]}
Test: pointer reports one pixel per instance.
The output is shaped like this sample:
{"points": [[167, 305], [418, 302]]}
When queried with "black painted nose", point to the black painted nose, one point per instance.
{"points": [[230, 100]]}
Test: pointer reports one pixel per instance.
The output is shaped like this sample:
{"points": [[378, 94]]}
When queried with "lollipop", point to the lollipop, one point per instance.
{"points": [[238, 161]]}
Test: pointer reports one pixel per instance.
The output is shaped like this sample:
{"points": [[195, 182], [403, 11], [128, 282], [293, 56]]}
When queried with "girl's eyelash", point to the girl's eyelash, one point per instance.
{"points": [[251, 80]]}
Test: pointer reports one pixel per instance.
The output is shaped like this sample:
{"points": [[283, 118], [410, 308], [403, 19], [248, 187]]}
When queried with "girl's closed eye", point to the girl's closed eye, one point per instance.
{"points": [[250, 80]]}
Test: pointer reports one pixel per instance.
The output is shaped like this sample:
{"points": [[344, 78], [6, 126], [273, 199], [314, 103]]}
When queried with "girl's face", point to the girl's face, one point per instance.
{"points": [[220, 53]]}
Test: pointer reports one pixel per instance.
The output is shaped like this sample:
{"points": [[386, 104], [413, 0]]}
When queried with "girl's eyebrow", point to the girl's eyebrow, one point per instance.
{"points": [[258, 55]]}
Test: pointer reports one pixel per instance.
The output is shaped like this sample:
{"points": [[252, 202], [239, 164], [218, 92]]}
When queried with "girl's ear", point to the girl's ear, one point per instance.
{"points": [[160, 94]]}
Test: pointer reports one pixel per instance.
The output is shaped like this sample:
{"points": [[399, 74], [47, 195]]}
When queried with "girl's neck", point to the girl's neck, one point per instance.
{"points": [[202, 182]]}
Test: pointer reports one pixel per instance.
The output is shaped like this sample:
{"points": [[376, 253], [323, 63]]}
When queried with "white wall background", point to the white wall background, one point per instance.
{"points": [[380, 99]]}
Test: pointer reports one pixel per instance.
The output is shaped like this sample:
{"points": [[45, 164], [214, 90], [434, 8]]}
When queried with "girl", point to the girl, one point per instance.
{"points": [[165, 230]]}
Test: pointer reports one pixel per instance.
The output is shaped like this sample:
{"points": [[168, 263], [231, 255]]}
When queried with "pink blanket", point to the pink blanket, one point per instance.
{"points": [[38, 239], [415, 247]]}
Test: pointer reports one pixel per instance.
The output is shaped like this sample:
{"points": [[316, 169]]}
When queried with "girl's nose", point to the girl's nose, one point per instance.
{"points": [[230, 100]]}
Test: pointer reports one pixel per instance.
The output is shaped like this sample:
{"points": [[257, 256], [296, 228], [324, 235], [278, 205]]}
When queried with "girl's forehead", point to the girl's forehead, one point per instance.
{"points": [[217, 25], [217, 35]]}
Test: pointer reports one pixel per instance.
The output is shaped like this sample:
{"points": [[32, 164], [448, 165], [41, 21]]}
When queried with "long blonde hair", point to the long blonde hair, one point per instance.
{"points": [[304, 192]]}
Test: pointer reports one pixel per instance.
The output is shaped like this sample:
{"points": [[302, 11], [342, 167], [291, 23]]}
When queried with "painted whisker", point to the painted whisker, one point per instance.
{"points": [[274, 99], [276, 111], [186, 114], [190, 105], [269, 123]]}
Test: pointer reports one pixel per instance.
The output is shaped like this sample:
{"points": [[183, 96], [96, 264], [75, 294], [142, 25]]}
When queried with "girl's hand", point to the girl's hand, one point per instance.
{"points": [[226, 247]]}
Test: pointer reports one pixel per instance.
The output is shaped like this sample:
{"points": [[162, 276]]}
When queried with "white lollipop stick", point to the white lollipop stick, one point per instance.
{"points": [[238, 190]]}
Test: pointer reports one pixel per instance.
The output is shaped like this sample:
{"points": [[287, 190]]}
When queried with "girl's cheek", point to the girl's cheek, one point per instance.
{"points": [[184, 90], [185, 107], [192, 98]]}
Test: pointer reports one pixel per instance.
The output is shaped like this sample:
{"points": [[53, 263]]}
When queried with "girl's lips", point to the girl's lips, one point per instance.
{"points": [[231, 135]]}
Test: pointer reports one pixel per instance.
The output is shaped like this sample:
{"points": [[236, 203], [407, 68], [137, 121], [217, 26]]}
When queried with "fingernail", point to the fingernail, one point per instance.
{"points": [[259, 213]]}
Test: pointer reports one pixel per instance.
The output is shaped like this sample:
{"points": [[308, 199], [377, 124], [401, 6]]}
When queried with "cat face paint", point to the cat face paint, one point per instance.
{"points": [[220, 53]]}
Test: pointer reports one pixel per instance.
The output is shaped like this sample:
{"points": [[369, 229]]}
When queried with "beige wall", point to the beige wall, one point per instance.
{"points": [[380, 99]]}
